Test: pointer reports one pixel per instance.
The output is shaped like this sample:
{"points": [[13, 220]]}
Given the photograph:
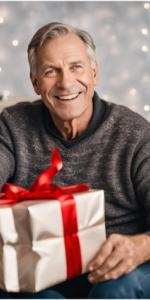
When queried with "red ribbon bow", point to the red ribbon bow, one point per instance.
{"points": [[43, 189]]}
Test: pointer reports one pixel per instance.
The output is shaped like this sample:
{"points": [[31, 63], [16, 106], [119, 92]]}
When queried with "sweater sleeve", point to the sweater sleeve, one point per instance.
{"points": [[7, 158], [141, 176]]}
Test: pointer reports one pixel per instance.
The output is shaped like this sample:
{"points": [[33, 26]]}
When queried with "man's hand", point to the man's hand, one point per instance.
{"points": [[119, 255]]}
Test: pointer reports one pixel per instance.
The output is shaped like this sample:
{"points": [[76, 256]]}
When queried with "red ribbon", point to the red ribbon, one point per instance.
{"points": [[42, 189]]}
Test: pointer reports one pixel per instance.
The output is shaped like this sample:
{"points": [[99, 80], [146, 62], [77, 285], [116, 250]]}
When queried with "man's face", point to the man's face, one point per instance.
{"points": [[65, 77]]}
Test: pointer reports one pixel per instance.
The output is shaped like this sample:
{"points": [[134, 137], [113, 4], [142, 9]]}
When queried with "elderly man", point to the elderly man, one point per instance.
{"points": [[103, 145]]}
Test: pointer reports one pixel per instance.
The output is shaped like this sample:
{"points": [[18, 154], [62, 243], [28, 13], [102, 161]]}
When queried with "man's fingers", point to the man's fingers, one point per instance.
{"points": [[120, 269], [111, 262], [104, 252], [114, 273]]}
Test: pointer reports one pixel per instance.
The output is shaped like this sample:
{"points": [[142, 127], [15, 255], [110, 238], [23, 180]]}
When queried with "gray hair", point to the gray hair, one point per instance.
{"points": [[52, 31]]}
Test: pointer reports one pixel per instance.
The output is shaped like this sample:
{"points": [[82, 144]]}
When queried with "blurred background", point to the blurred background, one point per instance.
{"points": [[121, 32]]}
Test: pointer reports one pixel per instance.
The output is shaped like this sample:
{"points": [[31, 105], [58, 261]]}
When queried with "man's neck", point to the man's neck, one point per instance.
{"points": [[72, 128]]}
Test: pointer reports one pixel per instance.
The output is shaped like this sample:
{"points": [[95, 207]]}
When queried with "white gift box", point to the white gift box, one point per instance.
{"points": [[32, 248]]}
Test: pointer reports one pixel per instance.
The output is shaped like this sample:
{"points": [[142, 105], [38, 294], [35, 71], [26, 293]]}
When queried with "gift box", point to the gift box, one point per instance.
{"points": [[48, 234]]}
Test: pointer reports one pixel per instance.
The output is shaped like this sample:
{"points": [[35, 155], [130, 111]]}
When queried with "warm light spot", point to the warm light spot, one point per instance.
{"points": [[1, 20], [132, 91], [6, 93], [15, 43], [146, 5], [144, 48], [0, 69], [146, 107], [144, 31], [105, 97]]}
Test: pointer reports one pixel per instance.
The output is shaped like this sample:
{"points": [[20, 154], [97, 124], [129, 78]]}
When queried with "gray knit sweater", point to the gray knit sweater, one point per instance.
{"points": [[115, 158]]}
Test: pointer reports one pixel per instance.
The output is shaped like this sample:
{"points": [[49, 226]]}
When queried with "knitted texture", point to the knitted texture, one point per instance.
{"points": [[115, 158]]}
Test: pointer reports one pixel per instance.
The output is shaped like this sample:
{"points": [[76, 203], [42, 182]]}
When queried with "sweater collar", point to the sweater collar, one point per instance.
{"points": [[99, 108]]}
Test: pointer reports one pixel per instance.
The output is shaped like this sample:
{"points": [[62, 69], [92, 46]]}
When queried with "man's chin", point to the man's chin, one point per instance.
{"points": [[69, 118]]}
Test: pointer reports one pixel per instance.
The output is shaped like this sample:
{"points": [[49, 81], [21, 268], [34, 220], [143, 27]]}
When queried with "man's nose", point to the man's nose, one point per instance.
{"points": [[65, 80]]}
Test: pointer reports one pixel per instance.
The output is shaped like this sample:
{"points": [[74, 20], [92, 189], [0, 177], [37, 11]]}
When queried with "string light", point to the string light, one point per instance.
{"points": [[1, 20], [6, 93], [144, 31], [146, 107], [144, 48], [132, 91], [15, 43], [105, 97], [146, 5]]}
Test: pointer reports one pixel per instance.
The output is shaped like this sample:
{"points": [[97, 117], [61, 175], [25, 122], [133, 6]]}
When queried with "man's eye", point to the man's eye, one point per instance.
{"points": [[77, 67], [51, 71]]}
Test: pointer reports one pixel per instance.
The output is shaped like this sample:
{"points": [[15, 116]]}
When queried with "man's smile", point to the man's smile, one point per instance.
{"points": [[68, 97]]}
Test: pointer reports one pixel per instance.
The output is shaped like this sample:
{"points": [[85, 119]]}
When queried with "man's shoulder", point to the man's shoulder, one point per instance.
{"points": [[23, 105], [121, 114], [24, 108], [125, 116]]}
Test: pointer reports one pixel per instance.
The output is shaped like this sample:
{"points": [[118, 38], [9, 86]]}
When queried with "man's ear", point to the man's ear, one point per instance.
{"points": [[35, 84], [95, 72]]}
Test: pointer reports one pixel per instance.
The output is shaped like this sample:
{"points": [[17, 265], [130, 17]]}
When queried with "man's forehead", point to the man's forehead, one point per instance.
{"points": [[67, 43], [62, 51]]}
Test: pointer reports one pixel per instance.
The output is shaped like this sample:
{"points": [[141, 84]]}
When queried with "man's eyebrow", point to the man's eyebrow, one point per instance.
{"points": [[75, 62], [47, 66]]}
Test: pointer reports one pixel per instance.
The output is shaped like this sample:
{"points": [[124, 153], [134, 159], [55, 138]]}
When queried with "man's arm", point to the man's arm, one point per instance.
{"points": [[121, 254], [7, 160]]}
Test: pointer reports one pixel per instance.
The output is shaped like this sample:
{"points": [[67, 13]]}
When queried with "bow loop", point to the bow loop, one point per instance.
{"points": [[12, 191], [44, 179]]}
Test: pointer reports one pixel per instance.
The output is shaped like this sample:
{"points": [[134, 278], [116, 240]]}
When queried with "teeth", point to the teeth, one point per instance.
{"points": [[68, 97]]}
